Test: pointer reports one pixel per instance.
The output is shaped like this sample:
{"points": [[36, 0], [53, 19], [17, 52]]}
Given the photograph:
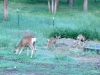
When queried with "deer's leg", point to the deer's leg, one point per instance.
{"points": [[83, 44], [31, 53], [54, 44], [27, 52], [34, 44], [34, 53], [75, 45], [33, 50], [79, 42], [49, 5], [47, 44], [21, 51]]}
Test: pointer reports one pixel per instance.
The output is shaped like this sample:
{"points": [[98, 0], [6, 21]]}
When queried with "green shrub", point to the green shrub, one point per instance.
{"points": [[90, 34]]}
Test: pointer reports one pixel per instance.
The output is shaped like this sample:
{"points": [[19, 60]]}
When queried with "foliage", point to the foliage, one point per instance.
{"points": [[90, 34]]}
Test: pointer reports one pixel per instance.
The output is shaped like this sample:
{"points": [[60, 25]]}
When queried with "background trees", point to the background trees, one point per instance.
{"points": [[85, 5], [5, 9], [70, 2], [52, 5]]}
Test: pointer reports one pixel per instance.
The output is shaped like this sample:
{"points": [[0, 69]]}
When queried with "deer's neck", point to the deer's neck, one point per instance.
{"points": [[19, 46]]}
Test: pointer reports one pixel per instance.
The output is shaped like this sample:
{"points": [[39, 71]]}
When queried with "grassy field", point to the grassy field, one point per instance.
{"points": [[36, 20]]}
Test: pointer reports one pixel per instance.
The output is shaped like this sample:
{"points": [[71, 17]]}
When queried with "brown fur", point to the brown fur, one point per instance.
{"points": [[80, 39], [51, 41], [26, 41]]}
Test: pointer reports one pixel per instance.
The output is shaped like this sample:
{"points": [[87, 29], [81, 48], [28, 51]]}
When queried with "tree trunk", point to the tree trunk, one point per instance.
{"points": [[74, 0], [56, 5], [67, 1], [49, 7], [85, 5], [5, 9], [52, 5], [70, 3]]}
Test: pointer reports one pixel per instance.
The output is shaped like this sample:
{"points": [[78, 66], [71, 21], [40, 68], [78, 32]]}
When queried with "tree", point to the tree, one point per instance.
{"points": [[74, 0], [56, 5], [5, 9], [52, 5], [85, 5], [70, 3], [49, 5]]}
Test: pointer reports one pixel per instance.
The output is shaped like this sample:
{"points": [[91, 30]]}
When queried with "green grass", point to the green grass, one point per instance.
{"points": [[36, 19]]}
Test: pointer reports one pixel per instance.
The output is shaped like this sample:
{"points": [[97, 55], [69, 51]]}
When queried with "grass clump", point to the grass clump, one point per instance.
{"points": [[62, 58], [90, 34], [4, 42]]}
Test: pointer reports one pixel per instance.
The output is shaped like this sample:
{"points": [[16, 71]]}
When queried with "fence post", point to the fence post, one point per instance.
{"points": [[53, 23], [18, 15]]}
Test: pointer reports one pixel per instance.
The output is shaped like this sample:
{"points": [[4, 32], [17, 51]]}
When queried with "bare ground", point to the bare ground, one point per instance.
{"points": [[67, 46]]}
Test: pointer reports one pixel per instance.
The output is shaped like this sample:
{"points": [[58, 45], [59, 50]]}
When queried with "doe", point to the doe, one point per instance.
{"points": [[29, 41]]}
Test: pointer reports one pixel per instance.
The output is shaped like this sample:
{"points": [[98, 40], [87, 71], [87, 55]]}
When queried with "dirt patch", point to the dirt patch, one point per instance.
{"points": [[67, 46], [9, 71]]}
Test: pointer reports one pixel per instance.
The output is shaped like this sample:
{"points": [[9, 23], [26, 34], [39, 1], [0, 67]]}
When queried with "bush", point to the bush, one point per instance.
{"points": [[90, 34]]}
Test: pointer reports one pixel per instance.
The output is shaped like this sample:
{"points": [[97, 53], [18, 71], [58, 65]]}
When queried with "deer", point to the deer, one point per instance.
{"points": [[28, 41], [81, 38], [52, 41]]}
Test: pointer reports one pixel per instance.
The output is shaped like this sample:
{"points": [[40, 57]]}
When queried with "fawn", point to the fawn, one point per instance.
{"points": [[80, 39], [51, 41]]}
